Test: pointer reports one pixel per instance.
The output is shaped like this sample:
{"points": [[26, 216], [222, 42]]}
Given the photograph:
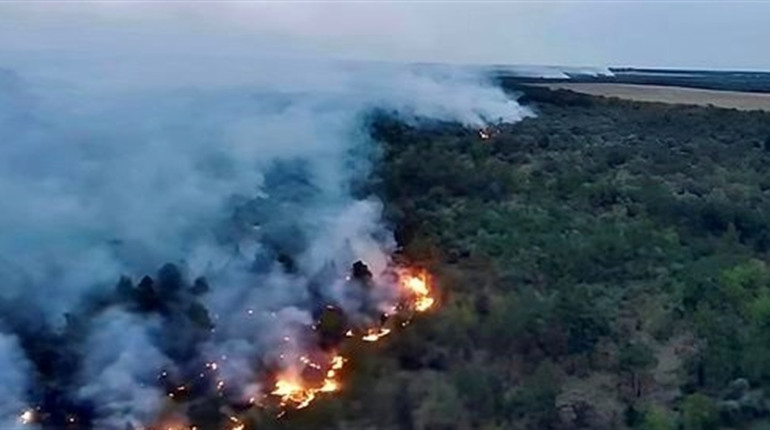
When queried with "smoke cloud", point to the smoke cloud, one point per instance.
{"points": [[241, 174], [13, 382], [119, 372]]}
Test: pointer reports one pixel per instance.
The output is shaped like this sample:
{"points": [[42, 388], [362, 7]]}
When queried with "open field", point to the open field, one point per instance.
{"points": [[668, 94]]}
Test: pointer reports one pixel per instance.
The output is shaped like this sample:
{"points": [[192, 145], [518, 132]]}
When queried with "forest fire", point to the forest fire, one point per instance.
{"points": [[375, 334], [180, 424], [175, 422], [315, 369], [236, 424], [418, 288], [294, 391]]}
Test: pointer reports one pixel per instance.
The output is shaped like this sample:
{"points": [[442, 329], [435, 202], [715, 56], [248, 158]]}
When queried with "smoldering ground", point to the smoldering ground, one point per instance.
{"points": [[246, 188]]}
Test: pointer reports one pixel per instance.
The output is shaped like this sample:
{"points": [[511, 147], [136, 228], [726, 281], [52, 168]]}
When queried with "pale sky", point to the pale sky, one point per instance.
{"points": [[658, 33]]}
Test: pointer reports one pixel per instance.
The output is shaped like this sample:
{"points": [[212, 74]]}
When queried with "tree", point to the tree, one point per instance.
{"points": [[657, 418], [744, 281], [699, 412], [536, 397], [441, 409]]}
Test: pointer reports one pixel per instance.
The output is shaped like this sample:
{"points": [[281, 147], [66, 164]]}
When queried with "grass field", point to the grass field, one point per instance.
{"points": [[668, 94]]}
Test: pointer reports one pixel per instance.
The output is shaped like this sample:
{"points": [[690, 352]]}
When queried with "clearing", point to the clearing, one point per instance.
{"points": [[669, 94]]}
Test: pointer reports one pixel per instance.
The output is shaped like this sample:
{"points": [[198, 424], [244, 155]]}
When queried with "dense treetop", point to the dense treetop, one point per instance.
{"points": [[603, 265]]}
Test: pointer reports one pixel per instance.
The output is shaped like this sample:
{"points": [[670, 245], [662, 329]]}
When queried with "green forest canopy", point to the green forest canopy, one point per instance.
{"points": [[602, 266]]}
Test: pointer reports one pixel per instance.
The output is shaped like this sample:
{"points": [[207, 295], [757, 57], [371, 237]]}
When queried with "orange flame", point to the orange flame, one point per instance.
{"points": [[418, 289], [375, 334], [170, 423], [293, 391], [237, 424]]}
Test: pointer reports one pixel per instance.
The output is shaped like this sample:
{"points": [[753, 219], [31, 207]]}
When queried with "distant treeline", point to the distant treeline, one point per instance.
{"points": [[749, 81]]}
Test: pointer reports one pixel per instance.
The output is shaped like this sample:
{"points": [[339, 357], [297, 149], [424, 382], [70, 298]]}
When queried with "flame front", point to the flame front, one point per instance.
{"points": [[418, 290], [312, 372], [293, 391]]}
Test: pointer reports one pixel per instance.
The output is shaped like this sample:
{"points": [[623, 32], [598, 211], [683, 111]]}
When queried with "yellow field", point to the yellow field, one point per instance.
{"points": [[675, 95]]}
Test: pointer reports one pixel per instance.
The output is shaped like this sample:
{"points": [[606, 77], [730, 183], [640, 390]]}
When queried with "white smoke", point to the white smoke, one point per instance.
{"points": [[120, 371], [13, 383], [131, 172]]}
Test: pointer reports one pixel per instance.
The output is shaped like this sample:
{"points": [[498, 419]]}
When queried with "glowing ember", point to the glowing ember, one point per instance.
{"points": [[483, 134], [373, 334], [237, 425], [170, 423]]}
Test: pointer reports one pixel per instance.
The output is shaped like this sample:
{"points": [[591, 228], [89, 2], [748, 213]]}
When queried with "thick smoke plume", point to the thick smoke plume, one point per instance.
{"points": [[242, 178], [13, 382]]}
